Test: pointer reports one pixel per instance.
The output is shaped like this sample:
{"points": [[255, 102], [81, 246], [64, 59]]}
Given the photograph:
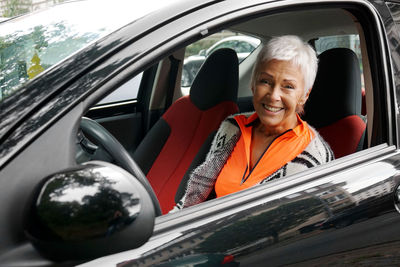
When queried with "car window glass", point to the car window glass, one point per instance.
{"points": [[197, 52], [243, 47], [351, 41], [33, 43], [25, 54], [128, 91], [228, 44]]}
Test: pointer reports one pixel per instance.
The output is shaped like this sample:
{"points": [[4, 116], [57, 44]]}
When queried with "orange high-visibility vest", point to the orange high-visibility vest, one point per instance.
{"points": [[236, 174]]}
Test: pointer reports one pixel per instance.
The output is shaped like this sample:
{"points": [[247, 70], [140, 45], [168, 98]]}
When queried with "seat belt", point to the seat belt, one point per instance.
{"points": [[172, 80]]}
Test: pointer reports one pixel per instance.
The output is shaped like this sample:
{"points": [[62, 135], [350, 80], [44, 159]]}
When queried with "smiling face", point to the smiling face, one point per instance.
{"points": [[277, 95]]}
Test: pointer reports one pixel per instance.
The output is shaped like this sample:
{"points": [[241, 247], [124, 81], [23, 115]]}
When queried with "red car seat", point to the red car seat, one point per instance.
{"points": [[334, 104], [170, 146]]}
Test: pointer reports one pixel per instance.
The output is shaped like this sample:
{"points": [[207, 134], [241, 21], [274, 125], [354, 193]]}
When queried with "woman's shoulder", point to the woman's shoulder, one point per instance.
{"points": [[230, 121], [228, 129], [316, 153], [244, 114], [319, 148], [229, 125]]}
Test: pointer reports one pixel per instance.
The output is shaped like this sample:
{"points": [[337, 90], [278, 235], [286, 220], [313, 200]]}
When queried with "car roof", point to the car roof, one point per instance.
{"points": [[308, 24]]}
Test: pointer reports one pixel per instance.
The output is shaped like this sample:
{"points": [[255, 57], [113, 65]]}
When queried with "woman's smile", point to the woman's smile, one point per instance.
{"points": [[271, 108]]}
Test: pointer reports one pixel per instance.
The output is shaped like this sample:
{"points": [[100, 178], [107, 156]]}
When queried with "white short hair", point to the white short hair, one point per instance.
{"points": [[289, 48]]}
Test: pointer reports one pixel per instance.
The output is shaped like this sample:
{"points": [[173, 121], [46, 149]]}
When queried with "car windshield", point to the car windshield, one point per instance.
{"points": [[33, 43]]}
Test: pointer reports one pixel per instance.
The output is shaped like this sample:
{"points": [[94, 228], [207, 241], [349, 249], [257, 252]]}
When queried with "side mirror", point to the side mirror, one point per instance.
{"points": [[202, 52], [87, 212]]}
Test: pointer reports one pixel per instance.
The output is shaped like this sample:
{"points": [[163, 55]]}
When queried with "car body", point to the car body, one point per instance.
{"points": [[242, 44], [297, 220]]}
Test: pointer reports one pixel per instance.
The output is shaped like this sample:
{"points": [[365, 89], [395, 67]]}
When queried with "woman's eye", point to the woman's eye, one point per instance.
{"points": [[265, 81], [289, 86]]}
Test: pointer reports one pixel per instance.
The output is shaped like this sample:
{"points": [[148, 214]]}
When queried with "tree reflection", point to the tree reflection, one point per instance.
{"points": [[15, 106], [100, 209], [51, 43]]}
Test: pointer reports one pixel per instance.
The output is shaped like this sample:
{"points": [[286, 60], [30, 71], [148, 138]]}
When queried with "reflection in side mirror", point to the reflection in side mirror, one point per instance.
{"points": [[87, 212]]}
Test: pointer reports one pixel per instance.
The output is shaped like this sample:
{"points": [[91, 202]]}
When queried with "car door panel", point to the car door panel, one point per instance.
{"points": [[126, 128], [122, 121], [23, 173], [310, 215], [302, 223], [268, 223]]}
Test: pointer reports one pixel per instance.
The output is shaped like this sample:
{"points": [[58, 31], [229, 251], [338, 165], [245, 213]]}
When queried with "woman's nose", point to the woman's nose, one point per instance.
{"points": [[274, 93]]}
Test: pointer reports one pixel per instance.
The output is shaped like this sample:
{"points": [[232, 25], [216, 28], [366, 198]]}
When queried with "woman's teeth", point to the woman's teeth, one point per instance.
{"points": [[272, 109]]}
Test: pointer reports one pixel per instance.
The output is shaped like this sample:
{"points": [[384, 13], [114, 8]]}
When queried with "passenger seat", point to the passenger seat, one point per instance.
{"points": [[334, 104]]}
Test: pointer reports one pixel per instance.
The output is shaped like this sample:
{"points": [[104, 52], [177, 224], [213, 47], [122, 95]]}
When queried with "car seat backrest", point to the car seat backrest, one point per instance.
{"points": [[171, 145], [334, 104]]}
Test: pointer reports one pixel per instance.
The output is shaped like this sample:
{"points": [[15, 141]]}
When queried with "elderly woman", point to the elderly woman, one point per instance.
{"points": [[271, 143]]}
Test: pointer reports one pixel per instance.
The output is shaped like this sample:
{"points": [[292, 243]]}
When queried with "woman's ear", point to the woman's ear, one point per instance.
{"points": [[305, 98], [302, 101]]}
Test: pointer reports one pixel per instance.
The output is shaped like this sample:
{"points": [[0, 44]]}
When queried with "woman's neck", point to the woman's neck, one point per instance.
{"points": [[273, 131]]}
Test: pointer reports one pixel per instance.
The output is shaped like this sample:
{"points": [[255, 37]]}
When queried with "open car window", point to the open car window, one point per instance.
{"points": [[342, 34], [345, 34]]}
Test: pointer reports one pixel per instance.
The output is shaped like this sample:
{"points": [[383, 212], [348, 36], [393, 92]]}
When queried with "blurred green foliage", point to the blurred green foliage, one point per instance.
{"points": [[14, 8]]}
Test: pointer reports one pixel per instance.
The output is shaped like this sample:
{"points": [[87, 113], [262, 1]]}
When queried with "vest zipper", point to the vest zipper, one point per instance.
{"points": [[244, 179]]}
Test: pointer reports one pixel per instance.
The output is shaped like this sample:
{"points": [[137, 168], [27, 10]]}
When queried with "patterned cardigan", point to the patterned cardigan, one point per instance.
{"points": [[202, 180]]}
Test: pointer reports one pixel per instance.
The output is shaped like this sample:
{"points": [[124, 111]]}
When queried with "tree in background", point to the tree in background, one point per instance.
{"points": [[16, 7]]}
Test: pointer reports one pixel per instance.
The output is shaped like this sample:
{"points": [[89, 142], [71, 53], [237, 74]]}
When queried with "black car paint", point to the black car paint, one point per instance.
{"points": [[251, 212], [392, 25], [256, 232]]}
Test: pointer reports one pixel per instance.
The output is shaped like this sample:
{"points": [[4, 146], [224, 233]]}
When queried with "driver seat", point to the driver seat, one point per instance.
{"points": [[172, 143]]}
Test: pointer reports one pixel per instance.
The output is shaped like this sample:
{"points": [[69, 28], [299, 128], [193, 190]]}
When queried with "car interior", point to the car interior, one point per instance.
{"points": [[167, 129]]}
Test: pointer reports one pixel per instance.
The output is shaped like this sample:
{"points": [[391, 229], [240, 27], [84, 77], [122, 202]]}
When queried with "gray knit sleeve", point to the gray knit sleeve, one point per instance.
{"points": [[203, 178]]}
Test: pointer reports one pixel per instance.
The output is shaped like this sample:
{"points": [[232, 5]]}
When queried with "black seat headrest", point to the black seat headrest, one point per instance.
{"points": [[217, 79], [337, 89]]}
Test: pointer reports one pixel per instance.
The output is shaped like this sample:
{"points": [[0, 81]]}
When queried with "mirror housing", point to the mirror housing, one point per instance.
{"points": [[89, 211]]}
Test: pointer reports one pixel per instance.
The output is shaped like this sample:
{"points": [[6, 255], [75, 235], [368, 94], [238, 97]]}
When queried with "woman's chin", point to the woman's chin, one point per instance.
{"points": [[277, 120], [271, 122], [270, 117]]}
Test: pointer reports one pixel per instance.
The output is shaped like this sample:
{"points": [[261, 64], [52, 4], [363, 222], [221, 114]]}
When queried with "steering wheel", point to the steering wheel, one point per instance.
{"points": [[106, 141]]}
